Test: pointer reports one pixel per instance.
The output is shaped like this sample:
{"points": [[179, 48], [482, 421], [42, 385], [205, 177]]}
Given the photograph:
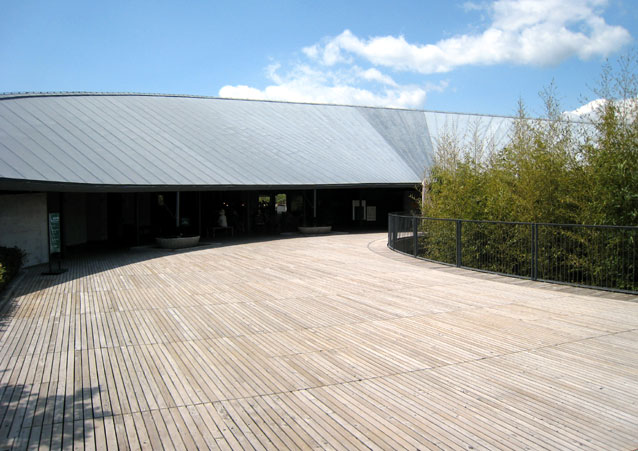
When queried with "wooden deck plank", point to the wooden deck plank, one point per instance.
{"points": [[215, 429], [228, 429], [132, 440], [294, 420], [139, 426], [134, 380], [121, 433], [168, 434], [153, 423], [324, 342]]}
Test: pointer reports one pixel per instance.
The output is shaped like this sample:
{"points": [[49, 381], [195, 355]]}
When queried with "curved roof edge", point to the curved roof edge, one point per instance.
{"points": [[146, 140], [65, 187], [21, 95]]}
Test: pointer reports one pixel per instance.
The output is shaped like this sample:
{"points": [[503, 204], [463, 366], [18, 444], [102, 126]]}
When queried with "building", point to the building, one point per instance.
{"points": [[124, 168]]}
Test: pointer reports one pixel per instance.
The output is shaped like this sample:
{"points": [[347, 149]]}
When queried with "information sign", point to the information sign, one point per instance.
{"points": [[54, 233]]}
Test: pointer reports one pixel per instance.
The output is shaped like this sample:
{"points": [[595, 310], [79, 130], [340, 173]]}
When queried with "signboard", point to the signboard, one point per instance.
{"points": [[55, 244], [54, 233], [371, 213], [359, 210]]}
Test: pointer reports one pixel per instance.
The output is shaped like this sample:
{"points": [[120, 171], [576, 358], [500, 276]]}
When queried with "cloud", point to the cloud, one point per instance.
{"points": [[307, 84], [347, 69], [587, 111], [526, 32], [627, 108], [373, 74]]}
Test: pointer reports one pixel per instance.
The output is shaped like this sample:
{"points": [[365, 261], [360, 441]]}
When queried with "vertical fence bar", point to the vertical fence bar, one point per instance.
{"points": [[583, 255], [459, 252], [534, 264], [415, 231]]}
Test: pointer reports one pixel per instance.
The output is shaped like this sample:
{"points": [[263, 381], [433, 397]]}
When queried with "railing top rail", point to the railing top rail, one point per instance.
{"points": [[591, 226], [548, 224], [407, 215], [484, 221]]}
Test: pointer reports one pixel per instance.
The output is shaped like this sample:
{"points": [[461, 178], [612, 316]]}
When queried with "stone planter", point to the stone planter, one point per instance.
{"points": [[177, 242], [315, 230]]}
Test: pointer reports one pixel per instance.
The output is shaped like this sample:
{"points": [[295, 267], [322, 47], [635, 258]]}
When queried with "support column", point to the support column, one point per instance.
{"points": [[422, 195], [314, 207], [248, 212], [137, 219], [199, 213], [177, 210], [459, 243]]}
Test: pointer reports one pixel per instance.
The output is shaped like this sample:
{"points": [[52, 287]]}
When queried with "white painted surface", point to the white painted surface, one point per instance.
{"points": [[23, 223]]}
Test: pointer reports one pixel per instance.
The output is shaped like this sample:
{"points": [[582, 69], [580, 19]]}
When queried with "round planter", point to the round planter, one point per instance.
{"points": [[315, 230], [177, 242]]}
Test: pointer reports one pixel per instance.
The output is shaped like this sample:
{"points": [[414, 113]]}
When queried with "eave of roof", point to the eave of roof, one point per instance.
{"points": [[63, 187], [83, 141]]}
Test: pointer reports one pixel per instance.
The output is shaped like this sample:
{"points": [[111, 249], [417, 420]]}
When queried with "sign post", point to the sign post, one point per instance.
{"points": [[55, 243]]}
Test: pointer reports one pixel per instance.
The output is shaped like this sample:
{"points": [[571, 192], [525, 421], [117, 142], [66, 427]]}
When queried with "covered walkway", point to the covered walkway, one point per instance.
{"points": [[311, 342]]}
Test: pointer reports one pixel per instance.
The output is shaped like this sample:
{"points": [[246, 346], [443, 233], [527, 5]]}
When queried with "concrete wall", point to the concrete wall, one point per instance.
{"points": [[23, 223], [74, 218]]}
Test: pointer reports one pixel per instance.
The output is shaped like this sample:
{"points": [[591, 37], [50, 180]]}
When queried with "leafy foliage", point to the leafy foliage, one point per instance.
{"points": [[11, 259], [552, 169]]}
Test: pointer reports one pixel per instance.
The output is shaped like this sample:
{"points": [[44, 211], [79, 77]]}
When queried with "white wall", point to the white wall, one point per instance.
{"points": [[23, 223]]}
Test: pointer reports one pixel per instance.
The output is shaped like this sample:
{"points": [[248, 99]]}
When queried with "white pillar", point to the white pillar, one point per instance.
{"points": [[422, 194]]}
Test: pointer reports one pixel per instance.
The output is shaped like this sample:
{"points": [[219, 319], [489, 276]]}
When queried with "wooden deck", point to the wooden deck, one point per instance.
{"points": [[318, 342]]}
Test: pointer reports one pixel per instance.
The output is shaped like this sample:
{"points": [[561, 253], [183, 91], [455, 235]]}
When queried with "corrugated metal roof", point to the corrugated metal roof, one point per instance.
{"points": [[137, 140], [493, 130]]}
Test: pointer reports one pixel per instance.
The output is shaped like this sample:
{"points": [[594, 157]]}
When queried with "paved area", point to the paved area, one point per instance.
{"points": [[311, 342]]}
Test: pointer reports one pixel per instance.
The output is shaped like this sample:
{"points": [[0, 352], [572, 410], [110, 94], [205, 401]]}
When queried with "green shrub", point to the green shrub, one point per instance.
{"points": [[11, 259], [550, 170]]}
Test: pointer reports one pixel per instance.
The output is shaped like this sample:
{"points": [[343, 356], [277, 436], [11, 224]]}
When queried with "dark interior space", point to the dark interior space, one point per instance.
{"points": [[132, 219]]}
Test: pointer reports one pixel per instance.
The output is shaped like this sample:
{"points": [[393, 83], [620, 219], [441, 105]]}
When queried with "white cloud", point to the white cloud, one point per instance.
{"points": [[347, 69], [373, 74], [307, 84], [473, 6], [529, 32], [591, 110], [587, 111], [338, 94]]}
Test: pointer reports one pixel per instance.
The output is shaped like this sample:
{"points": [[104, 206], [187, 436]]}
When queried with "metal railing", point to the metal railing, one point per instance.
{"points": [[604, 257]]}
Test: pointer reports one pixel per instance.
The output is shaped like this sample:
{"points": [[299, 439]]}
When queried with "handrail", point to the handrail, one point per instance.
{"points": [[602, 226], [602, 257]]}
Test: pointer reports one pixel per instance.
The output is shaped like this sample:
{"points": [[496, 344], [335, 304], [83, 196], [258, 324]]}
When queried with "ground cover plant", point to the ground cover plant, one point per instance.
{"points": [[11, 259]]}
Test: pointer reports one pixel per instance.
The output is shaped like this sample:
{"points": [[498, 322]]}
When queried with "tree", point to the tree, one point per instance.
{"points": [[611, 156], [552, 169]]}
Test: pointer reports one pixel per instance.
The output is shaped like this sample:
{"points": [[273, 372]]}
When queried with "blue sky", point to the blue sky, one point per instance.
{"points": [[476, 56]]}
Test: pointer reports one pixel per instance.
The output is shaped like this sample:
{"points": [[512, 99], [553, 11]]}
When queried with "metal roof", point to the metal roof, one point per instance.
{"points": [[136, 141]]}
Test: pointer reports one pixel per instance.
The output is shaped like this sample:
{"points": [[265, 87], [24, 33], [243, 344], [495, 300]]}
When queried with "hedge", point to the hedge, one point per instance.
{"points": [[11, 259]]}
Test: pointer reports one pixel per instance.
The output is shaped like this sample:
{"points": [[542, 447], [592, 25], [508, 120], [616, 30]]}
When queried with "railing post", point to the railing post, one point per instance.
{"points": [[534, 251], [415, 231], [390, 230], [583, 259], [459, 253]]}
